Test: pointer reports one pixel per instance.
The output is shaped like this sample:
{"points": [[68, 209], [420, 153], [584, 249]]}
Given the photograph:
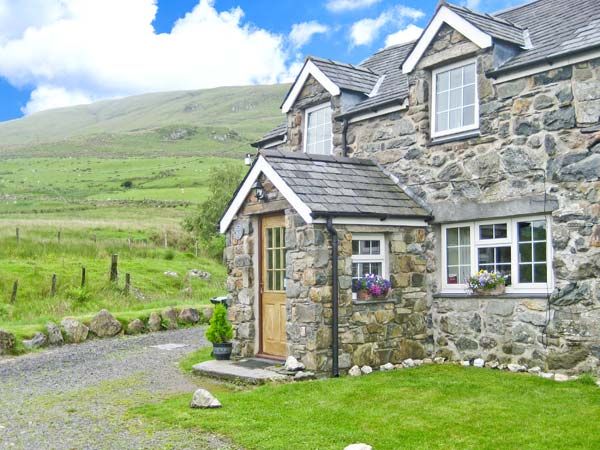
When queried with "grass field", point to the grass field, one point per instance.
{"points": [[430, 407]]}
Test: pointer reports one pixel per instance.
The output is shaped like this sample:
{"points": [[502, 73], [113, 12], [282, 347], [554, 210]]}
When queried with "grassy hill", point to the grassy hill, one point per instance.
{"points": [[220, 121]]}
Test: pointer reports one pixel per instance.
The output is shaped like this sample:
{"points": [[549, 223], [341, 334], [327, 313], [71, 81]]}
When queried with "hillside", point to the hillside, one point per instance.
{"points": [[220, 121]]}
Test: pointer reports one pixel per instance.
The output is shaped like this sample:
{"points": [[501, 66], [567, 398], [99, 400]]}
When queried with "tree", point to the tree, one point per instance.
{"points": [[220, 330], [223, 181]]}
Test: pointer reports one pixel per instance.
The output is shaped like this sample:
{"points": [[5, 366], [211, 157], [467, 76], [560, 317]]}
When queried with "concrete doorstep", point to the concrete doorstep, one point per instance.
{"points": [[239, 371]]}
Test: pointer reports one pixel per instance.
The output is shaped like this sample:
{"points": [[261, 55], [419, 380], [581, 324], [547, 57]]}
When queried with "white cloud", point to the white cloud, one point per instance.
{"points": [[408, 34], [349, 5], [78, 51], [303, 32], [472, 4], [365, 31]]}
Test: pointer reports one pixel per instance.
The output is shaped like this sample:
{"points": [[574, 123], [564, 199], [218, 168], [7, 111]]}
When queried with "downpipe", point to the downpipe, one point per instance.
{"points": [[335, 371]]}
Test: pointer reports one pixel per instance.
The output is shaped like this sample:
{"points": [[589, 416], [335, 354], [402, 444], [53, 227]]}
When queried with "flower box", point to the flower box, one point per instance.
{"points": [[364, 295], [498, 290], [487, 283], [371, 287]]}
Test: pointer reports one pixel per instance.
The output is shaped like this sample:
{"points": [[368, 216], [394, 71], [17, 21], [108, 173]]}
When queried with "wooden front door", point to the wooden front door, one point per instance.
{"points": [[272, 286]]}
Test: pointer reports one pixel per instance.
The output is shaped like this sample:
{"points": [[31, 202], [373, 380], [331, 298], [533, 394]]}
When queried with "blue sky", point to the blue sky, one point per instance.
{"points": [[62, 52]]}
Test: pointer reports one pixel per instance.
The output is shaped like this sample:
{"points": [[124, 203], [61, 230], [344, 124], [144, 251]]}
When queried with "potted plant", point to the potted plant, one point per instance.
{"points": [[487, 283], [371, 286], [220, 332]]}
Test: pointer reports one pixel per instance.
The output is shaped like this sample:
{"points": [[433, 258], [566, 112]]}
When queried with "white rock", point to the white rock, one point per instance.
{"points": [[516, 368], [204, 399], [546, 375], [170, 273], [465, 363], [535, 370], [366, 370], [561, 377], [355, 371], [358, 447], [304, 375], [428, 361], [492, 364], [598, 383], [408, 363], [293, 365], [439, 360], [386, 367], [479, 362], [418, 362]]}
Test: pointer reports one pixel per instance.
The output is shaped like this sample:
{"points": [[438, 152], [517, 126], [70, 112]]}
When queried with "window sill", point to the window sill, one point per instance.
{"points": [[356, 301], [511, 295], [453, 138]]}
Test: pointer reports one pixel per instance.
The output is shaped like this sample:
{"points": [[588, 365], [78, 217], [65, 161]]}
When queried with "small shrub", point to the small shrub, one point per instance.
{"points": [[220, 330], [169, 255], [587, 379], [127, 184], [79, 294]]}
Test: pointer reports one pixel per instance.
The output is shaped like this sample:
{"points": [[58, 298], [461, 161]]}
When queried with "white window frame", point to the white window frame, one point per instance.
{"points": [[433, 114], [382, 258], [512, 242], [307, 111]]}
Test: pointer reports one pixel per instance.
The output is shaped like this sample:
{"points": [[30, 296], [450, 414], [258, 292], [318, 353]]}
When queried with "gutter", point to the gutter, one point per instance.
{"points": [[345, 137], [335, 371]]}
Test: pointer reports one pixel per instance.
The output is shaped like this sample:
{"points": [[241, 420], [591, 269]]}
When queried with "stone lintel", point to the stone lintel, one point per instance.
{"points": [[448, 212]]}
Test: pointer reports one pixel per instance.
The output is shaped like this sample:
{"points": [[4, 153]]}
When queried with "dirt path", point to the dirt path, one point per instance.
{"points": [[77, 396]]}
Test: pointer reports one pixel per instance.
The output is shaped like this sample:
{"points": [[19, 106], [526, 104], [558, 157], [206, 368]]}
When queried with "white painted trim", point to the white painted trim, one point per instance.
{"points": [[460, 130], [262, 166], [380, 112], [308, 111], [392, 222], [309, 69], [445, 15], [375, 89], [383, 257], [543, 67]]}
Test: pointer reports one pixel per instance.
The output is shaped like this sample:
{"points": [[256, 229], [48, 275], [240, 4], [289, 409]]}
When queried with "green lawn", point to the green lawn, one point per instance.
{"points": [[427, 407]]}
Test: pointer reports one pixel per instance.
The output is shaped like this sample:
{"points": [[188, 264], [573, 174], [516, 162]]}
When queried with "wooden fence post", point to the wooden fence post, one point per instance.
{"points": [[196, 252], [114, 273], [58, 236], [83, 276], [13, 297], [53, 286], [127, 283], [166, 240], [17, 235]]}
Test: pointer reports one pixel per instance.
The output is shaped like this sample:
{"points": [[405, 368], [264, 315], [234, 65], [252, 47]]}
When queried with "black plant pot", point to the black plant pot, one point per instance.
{"points": [[222, 352]]}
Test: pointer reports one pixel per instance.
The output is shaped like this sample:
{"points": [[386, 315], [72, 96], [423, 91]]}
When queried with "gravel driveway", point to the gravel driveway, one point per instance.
{"points": [[77, 396]]}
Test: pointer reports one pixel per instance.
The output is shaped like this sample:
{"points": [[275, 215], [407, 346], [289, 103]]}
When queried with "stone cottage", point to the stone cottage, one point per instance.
{"points": [[475, 147]]}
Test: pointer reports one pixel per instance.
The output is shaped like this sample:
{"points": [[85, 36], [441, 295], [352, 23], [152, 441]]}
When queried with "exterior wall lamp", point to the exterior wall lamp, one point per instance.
{"points": [[259, 190]]}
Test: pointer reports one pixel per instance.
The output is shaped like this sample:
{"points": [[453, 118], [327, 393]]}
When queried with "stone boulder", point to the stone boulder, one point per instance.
{"points": [[154, 322], [408, 363], [359, 446], [136, 326], [385, 367], [105, 325], [293, 365], [75, 331], [55, 336], [171, 274], [204, 399], [516, 368], [479, 362], [366, 370], [7, 342], [207, 313], [189, 315], [355, 371], [197, 273], [37, 341], [169, 318], [304, 375]]}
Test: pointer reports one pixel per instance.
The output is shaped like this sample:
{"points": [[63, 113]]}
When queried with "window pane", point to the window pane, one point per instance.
{"points": [[453, 256], [539, 273], [469, 95], [500, 230], [465, 255], [365, 247], [452, 275], [376, 268], [456, 78], [525, 273], [441, 102], [465, 273], [468, 116], [355, 247], [539, 252], [354, 270], [469, 74], [452, 236], [442, 82], [375, 250], [455, 99], [465, 236], [486, 255], [441, 121], [455, 119], [539, 230], [503, 254], [525, 252], [486, 232], [524, 231]]}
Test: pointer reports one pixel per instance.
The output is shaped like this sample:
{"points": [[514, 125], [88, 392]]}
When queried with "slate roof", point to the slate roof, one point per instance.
{"points": [[347, 76], [556, 27], [497, 27], [342, 186], [275, 133]]}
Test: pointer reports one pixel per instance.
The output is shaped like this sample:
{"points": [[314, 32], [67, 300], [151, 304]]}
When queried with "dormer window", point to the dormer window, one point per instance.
{"points": [[455, 106], [317, 130]]}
